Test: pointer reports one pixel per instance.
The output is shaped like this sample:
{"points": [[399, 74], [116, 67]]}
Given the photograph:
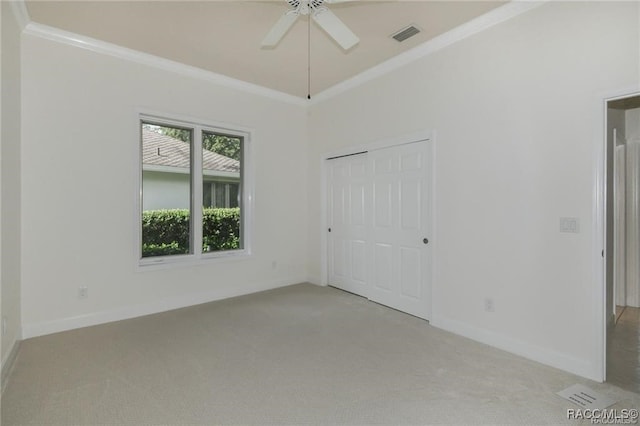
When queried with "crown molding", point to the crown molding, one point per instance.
{"points": [[102, 47], [21, 13], [481, 23]]}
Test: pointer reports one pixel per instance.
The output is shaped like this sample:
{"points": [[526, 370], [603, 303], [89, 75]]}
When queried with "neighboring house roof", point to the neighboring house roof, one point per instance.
{"points": [[163, 150]]}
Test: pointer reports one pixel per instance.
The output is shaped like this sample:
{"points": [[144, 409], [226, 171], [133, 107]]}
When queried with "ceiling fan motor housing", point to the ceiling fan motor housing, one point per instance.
{"points": [[303, 7], [322, 16]]}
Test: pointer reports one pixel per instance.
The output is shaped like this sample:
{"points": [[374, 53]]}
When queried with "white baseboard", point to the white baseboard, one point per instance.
{"points": [[126, 312], [7, 364], [548, 357]]}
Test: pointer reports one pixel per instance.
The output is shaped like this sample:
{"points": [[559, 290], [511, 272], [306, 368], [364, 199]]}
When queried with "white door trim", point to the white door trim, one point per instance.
{"points": [[424, 135]]}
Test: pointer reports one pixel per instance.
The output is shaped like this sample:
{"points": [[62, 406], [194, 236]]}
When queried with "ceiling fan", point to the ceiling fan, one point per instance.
{"points": [[325, 18]]}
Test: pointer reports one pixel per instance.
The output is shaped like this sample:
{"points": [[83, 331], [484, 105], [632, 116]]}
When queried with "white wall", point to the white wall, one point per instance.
{"points": [[79, 219], [10, 180], [517, 111]]}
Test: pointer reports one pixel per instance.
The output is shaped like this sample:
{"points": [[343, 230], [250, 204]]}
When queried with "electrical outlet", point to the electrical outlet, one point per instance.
{"points": [[489, 305], [83, 292], [274, 265]]}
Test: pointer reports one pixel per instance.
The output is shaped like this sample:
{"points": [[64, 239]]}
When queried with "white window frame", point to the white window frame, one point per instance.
{"points": [[246, 181]]}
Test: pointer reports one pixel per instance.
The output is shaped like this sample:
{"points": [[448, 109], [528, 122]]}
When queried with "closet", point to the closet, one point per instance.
{"points": [[379, 224]]}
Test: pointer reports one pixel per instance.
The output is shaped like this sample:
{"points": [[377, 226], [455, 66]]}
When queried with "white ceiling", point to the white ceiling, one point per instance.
{"points": [[224, 36]]}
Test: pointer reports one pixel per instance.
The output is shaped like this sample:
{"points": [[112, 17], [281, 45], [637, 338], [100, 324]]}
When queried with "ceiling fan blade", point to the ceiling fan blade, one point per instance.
{"points": [[329, 22], [277, 32]]}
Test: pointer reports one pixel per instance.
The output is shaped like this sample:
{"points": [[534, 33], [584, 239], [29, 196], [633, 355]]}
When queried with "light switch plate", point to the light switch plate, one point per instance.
{"points": [[570, 225]]}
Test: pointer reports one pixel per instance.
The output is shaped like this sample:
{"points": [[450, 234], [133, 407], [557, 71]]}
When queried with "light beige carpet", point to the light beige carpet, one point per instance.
{"points": [[297, 355]]}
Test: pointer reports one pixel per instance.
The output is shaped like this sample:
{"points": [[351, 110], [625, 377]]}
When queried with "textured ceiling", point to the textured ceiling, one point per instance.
{"points": [[224, 36]]}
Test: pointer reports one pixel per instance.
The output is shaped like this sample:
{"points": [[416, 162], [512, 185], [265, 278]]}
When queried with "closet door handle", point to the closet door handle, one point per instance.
{"points": [[425, 240]]}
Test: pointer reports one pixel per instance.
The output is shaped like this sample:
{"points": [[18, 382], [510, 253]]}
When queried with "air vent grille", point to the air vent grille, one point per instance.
{"points": [[405, 33]]}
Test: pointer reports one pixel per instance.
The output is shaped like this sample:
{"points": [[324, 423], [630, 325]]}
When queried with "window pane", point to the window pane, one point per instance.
{"points": [[222, 212], [233, 195], [166, 190], [219, 195], [207, 197]]}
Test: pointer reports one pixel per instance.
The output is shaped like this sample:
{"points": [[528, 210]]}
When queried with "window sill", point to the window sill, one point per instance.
{"points": [[191, 260]]}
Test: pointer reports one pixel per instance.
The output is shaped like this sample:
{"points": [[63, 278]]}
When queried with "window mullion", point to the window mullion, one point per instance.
{"points": [[197, 192]]}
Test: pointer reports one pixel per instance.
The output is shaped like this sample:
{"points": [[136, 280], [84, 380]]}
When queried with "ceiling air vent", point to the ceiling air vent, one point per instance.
{"points": [[405, 33]]}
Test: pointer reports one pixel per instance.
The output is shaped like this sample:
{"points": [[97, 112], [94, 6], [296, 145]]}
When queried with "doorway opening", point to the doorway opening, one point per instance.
{"points": [[622, 264]]}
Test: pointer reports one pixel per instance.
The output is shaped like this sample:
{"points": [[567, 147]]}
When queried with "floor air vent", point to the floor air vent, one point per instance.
{"points": [[585, 397], [405, 33]]}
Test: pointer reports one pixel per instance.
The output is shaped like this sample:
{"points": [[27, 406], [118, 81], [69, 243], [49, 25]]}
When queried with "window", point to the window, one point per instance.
{"points": [[220, 194], [185, 165]]}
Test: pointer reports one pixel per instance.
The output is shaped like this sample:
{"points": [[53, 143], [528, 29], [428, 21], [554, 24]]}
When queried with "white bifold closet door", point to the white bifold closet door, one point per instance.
{"points": [[348, 197], [379, 221]]}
